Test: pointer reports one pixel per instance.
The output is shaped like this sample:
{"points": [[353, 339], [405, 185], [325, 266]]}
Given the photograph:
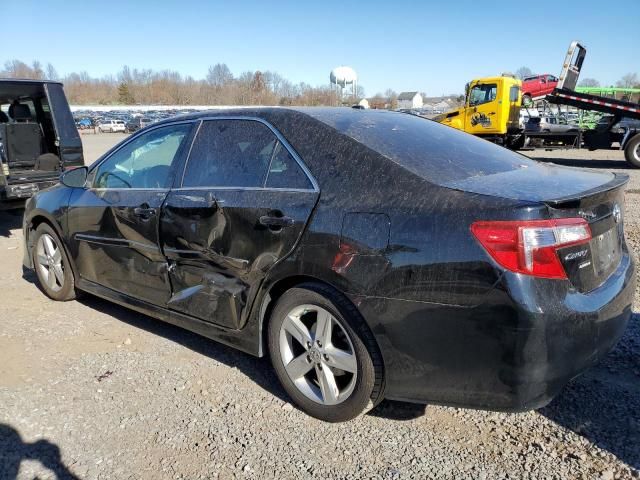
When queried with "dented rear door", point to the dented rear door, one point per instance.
{"points": [[243, 203]]}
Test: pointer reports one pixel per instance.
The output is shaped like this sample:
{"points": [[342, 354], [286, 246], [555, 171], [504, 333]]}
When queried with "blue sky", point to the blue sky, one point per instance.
{"points": [[435, 47]]}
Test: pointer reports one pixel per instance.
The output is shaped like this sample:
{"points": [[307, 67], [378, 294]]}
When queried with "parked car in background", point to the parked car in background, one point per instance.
{"points": [[476, 278], [136, 123], [537, 86], [549, 124], [112, 126], [84, 123]]}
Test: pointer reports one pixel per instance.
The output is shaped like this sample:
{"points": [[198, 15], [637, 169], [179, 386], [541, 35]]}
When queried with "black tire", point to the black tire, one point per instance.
{"points": [[526, 100], [66, 290], [369, 382], [516, 143], [632, 151]]}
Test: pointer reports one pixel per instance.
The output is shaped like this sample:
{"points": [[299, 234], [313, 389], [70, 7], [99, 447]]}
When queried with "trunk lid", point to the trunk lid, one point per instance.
{"points": [[539, 182]]}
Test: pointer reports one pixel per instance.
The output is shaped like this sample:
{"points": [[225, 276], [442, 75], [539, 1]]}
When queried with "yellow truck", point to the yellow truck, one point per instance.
{"points": [[491, 110]]}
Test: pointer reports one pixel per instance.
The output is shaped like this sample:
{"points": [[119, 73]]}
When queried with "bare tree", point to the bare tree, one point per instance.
{"points": [[219, 75], [629, 80], [131, 85], [51, 73], [523, 72], [589, 82], [17, 69], [393, 98]]}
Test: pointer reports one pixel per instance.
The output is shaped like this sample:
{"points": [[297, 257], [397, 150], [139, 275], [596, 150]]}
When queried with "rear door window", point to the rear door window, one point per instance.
{"points": [[230, 153], [284, 171]]}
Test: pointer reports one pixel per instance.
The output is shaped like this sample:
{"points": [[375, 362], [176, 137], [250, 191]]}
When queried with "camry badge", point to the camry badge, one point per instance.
{"points": [[617, 214], [586, 214]]}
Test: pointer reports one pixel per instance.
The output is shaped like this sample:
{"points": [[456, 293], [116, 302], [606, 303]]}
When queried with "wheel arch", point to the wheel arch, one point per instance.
{"points": [[34, 221], [277, 289], [270, 297]]}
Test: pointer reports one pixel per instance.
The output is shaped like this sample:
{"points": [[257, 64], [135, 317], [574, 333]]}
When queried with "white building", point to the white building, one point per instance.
{"points": [[410, 100]]}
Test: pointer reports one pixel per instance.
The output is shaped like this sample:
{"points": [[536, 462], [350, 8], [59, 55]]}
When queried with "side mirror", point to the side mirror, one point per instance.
{"points": [[75, 178]]}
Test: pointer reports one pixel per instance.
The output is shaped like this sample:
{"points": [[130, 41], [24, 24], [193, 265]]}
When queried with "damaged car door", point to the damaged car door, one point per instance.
{"points": [[113, 224], [243, 202]]}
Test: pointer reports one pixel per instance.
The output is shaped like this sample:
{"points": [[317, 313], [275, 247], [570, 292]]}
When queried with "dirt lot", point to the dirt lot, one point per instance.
{"points": [[92, 390]]}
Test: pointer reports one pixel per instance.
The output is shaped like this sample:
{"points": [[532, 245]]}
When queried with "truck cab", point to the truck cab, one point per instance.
{"points": [[491, 109], [38, 138]]}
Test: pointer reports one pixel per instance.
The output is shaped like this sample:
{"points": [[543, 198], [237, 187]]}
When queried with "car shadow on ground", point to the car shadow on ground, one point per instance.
{"points": [[14, 450], [259, 370], [10, 220], [587, 163], [603, 404]]}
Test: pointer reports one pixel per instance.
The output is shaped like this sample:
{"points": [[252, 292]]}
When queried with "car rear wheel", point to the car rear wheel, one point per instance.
{"points": [[324, 354], [52, 265], [526, 100], [632, 151]]}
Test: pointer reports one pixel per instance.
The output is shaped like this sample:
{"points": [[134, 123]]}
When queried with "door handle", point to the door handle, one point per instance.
{"points": [[144, 212], [276, 222]]}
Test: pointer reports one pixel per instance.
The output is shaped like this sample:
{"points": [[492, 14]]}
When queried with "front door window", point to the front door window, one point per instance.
{"points": [[144, 162]]}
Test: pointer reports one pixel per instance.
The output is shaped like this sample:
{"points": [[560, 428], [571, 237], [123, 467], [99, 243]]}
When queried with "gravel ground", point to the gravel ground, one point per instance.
{"points": [[91, 390]]}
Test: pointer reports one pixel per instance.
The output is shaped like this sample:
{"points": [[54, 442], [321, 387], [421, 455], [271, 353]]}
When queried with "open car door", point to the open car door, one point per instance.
{"points": [[68, 139]]}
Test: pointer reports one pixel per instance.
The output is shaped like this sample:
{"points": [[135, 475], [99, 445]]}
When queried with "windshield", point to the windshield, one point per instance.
{"points": [[436, 152]]}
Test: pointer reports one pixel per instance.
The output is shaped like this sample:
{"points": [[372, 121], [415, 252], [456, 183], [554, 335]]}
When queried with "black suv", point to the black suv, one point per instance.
{"points": [[38, 138]]}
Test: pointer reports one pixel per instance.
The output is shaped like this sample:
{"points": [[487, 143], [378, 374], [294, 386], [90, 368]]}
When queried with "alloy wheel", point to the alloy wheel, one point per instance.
{"points": [[49, 262], [318, 355]]}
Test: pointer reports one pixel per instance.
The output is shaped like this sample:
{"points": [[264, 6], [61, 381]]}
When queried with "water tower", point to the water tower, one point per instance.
{"points": [[344, 77]]}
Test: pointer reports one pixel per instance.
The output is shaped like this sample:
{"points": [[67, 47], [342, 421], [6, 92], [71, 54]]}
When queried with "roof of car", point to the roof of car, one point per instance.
{"points": [[26, 80], [317, 113]]}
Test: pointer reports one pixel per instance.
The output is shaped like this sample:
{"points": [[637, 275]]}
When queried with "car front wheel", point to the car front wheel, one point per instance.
{"points": [[632, 151], [324, 354], [52, 265]]}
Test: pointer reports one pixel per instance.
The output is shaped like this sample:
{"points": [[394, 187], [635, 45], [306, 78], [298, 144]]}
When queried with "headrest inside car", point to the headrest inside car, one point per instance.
{"points": [[21, 112]]}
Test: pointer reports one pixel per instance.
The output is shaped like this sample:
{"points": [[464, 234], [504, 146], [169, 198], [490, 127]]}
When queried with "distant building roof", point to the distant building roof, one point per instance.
{"points": [[407, 95]]}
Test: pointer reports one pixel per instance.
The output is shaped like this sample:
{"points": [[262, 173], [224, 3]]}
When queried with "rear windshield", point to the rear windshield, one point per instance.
{"points": [[436, 152]]}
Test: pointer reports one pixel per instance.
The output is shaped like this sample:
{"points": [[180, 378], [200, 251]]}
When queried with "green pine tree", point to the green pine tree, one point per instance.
{"points": [[124, 95]]}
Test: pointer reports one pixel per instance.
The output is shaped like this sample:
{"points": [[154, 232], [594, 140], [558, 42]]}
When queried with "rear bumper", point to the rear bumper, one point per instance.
{"points": [[514, 352]]}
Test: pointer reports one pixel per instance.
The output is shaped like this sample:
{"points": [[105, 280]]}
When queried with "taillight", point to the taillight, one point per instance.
{"points": [[531, 247]]}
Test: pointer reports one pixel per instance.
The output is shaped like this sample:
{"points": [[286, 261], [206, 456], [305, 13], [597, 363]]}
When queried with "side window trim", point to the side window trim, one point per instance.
{"points": [[279, 137], [180, 154], [266, 174]]}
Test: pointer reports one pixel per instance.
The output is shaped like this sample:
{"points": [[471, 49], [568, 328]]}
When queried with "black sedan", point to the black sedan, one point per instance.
{"points": [[371, 254]]}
